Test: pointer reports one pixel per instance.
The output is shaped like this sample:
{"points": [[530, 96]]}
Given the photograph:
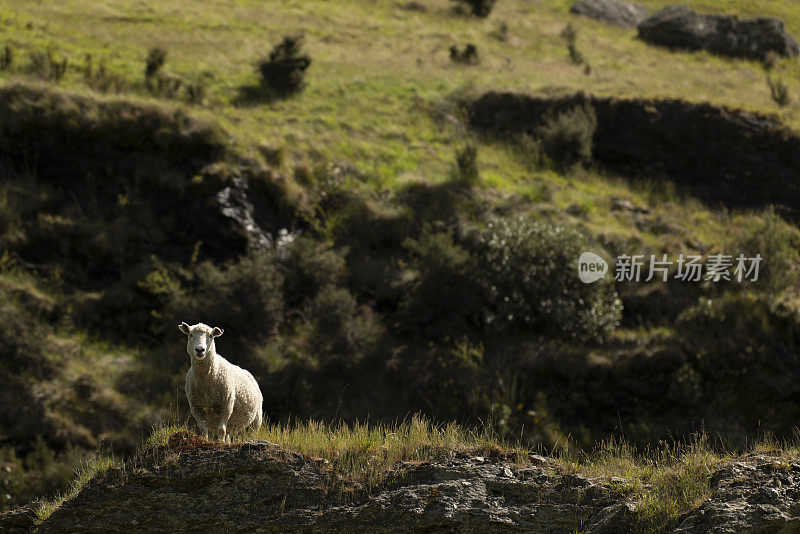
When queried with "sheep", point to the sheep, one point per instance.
{"points": [[223, 397]]}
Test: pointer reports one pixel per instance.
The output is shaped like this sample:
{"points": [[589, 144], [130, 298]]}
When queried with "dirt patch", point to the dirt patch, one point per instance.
{"points": [[723, 156]]}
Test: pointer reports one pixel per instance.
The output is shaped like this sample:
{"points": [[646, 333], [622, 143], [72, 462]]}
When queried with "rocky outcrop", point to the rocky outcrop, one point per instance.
{"points": [[198, 486], [628, 14], [681, 27], [760, 493], [735, 158]]}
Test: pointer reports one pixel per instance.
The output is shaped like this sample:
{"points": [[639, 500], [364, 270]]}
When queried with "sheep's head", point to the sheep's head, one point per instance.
{"points": [[201, 339]]}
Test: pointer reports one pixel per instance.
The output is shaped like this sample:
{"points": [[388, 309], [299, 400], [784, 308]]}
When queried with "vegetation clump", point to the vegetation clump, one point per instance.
{"points": [[467, 55], [479, 8], [568, 137], [779, 91], [284, 70], [530, 269]]}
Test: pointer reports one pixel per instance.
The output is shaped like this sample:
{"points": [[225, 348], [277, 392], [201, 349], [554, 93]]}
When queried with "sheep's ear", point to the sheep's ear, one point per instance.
{"points": [[183, 327], [217, 332]]}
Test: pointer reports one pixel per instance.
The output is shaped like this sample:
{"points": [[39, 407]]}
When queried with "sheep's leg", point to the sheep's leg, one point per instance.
{"points": [[222, 431], [204, 430], [222, 424]]}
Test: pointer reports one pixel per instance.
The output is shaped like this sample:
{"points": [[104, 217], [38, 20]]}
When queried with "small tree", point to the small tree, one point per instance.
{"points": [[155, 60], [284, 70], [567, 137]]}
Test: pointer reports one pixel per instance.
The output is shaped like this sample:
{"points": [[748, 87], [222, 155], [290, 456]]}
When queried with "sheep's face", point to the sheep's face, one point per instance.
{"points": [[201, 339]]}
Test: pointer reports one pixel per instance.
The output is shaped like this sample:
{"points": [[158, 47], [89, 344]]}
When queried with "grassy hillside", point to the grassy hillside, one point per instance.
{"points": [[392, 299]]}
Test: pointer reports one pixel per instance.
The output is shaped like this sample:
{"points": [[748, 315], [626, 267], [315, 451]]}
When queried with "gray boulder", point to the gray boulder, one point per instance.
{"points": [[728, 35], [628, 14]]}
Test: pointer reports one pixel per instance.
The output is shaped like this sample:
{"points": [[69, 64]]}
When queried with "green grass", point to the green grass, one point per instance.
{"points": [[380, 99]]}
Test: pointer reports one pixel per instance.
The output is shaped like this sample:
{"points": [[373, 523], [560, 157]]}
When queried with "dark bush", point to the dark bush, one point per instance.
{"points": [[530, 270], [155, 60], [777, 241], [568, 137], [479, 8], [466, 170], [444, 298], [284, 70], [310, 266], [342, 331], [779, 91], [468, 55], [6, 58], [243, 298], [570, 35]]}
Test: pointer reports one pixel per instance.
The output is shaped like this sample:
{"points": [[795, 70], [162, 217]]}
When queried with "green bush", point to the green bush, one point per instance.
{"points": [[444, 298], [737, 326], [466, 170], [468, 55], [243, 297], [779, 91], [567, 138], [310, 266], [776, 240], [284, 70], [342, 331], [156, 57], [530, 270]]}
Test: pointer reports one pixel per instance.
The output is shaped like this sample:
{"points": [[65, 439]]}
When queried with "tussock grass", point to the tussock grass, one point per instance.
{"points": [[663, 483], [97, 466]]}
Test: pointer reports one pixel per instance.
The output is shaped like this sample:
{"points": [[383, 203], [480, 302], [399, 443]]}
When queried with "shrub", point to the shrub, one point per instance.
{"points": [[738, 330], [501, 32], [468, 55], [46, 66], [6, 58], [777, 241], [342, 331], [770, 60], [284, 70], [310, 266], [530, 268], [479, 8], [466, 170], [155, 60], [444, 298], [779, 91], [243, 297], [567, 138], [570, 35]]}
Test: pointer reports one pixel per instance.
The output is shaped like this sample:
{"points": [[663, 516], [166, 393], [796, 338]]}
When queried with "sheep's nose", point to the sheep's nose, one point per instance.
{"points": [[199, 350]]}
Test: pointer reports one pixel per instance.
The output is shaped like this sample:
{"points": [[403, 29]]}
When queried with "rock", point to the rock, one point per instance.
{"points": [[256, 487], [681, 27], [259, 487], [615, 518], [18, 520], [747, 496], [628, 14]]}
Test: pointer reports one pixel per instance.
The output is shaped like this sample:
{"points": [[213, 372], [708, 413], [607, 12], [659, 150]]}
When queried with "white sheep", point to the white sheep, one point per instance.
{"points": [[223, 397]]}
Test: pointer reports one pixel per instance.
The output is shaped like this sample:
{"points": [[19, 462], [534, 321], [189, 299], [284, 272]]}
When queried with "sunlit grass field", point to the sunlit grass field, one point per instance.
{"points": [[381, 81]]}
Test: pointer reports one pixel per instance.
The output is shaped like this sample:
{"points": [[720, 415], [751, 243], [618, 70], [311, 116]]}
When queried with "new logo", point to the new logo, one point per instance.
{"points": [[591, 267]]}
